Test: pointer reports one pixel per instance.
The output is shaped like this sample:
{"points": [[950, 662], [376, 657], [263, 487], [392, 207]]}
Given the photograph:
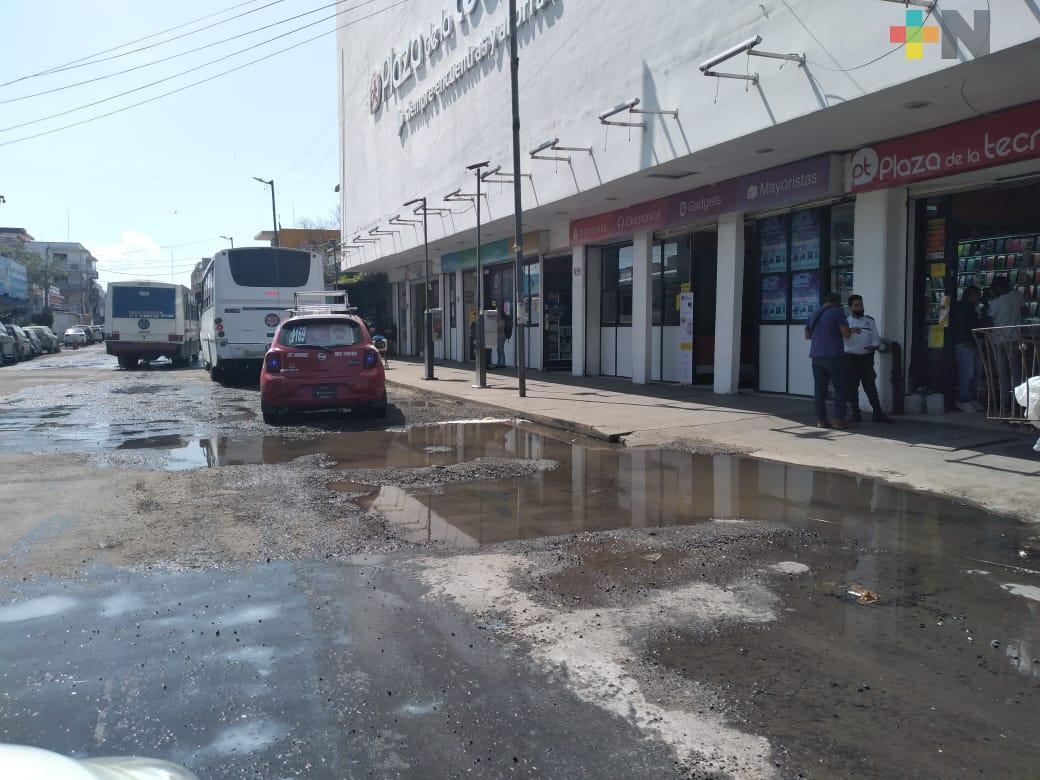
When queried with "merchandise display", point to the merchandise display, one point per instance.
{"points": [[1017, 257]]}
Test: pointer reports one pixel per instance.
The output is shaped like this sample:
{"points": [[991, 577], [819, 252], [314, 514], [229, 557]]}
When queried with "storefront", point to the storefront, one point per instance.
{"points": [[971, 192], [497, 259], [634, 286], [800, 256]]}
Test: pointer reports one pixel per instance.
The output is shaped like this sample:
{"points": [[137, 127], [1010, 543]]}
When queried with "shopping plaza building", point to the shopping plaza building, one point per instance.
{"points": [[695, 176]]}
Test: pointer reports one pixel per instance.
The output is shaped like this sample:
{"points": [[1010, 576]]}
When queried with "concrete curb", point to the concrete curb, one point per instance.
{"points": [[541, 419]]}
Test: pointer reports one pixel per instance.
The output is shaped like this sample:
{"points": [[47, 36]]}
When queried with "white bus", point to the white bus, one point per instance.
{"points": [[245, 294], [149, 320]]}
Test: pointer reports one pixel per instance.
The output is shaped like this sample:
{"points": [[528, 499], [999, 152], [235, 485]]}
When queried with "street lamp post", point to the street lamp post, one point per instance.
{"points": [[428, 315], [518, 223], [481, 367], [231, 239], [274, 213]]}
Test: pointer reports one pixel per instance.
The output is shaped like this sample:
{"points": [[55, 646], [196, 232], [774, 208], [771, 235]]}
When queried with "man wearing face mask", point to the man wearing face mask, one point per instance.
{"points": [[860, 347]]}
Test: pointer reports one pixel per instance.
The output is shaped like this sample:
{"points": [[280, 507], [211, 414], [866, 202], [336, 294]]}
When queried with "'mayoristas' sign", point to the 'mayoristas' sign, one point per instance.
{"points": [[411, 61], [797, 182]]}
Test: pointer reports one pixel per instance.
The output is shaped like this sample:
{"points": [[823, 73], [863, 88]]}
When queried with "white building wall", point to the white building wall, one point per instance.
{"points": [[729, 296], [881, 276], [580, 58]]}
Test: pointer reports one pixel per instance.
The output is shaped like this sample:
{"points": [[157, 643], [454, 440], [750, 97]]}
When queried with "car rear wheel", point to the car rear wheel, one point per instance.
{"points": [[271, 416], [127, 363]]}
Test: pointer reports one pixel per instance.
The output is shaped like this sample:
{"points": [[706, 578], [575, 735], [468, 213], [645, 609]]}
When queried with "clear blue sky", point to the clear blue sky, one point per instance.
{"points": [[172, 175]]}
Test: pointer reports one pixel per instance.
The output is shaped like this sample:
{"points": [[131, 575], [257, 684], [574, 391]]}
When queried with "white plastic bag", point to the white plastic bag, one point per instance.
{"points": [[1027, 395]]}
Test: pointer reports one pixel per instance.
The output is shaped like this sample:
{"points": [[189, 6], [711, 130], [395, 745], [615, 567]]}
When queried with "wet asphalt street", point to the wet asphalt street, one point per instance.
{"points": [[444, 595]]}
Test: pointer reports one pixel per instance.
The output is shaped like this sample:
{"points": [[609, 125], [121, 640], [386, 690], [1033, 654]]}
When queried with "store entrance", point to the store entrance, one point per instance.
{"points": [[557, 315], [469, 308], [963, 240], [418, 299]]}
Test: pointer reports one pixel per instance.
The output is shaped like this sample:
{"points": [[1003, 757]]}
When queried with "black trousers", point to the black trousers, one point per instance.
{"points": [[861, 372]]}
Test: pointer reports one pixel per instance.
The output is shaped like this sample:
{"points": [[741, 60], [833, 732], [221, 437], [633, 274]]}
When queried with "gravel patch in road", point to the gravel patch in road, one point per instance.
{"points": [[479, 470]]}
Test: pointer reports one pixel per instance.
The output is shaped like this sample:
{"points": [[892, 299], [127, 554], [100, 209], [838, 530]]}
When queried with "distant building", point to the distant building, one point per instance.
{"points": [[324, 242], [13, 236], [301, 238], [73, 269], [196, 274]]}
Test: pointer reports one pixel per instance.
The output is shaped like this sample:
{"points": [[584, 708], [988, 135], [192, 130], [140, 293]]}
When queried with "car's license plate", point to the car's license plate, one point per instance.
{"points": [[325, 391]]}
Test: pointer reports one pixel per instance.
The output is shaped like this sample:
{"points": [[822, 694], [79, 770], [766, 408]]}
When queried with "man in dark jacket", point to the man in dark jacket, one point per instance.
{"points": [[964, 319], [827, 330]]}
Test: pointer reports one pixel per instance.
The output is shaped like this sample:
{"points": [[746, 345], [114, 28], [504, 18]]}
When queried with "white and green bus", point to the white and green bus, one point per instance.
{"points": [[149, 320]]}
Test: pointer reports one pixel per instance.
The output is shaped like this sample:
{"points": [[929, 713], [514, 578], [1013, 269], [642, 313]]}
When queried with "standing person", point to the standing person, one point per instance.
{"points": [[965, 319], [860, 347], [827, 330], [501, 339], [1006, 310]]}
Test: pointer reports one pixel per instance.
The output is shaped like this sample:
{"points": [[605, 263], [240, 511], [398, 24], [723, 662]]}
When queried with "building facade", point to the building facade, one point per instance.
{"points": [[694, 180], [73, 269]]}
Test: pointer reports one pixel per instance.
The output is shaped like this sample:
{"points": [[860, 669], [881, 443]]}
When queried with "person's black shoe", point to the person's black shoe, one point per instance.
{"points": [[883, 418]]}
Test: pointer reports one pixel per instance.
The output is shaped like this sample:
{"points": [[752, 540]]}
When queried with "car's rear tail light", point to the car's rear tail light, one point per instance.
{"points": [[175, 337], [273, 361], [371, 358]]}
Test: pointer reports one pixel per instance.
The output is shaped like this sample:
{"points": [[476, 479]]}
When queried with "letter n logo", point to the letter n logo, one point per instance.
{"points": [[956, 31]]}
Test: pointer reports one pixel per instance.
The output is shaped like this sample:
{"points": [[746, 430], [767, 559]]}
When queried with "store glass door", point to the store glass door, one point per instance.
{"points": [[557, 315]]}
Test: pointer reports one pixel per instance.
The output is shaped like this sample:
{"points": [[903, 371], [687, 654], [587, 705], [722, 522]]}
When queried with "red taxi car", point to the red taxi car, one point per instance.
{"points": [[322, 361]]}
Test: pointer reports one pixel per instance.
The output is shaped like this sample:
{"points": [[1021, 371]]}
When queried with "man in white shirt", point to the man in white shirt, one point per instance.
{"points": [[860, 347], [1005, 307]]}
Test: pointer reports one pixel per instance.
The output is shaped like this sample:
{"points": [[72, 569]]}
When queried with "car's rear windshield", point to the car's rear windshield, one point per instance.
{"points": [[153, 303], [269, 267], [327, 334]]}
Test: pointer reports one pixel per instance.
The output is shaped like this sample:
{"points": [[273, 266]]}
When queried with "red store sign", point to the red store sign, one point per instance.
{"points": [[982, 142], [646, 217]]}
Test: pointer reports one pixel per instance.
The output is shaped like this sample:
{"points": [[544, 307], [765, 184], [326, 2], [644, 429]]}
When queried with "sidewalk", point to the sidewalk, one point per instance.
{"points": [[959, 455]]}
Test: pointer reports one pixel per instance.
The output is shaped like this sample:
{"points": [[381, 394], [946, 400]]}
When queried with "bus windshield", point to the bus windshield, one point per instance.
{"points": [[264, 267], [153, 303]]}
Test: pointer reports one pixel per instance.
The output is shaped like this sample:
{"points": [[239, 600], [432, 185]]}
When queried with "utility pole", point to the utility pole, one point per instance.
{"points": [[481, 368], [427, 315], [518, 223], [47, 279], [274, 212]]}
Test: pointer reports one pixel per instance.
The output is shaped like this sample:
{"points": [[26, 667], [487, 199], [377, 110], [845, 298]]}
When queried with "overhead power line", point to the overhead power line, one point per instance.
{"points": [[200, 81], [89, 59], [185, 72], [192, 51]]}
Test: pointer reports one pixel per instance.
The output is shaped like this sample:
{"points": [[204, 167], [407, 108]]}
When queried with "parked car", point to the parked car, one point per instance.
{"points": [[322, 361], [99, 333], [8, 348], [75, 338], [34, 342], [48, 340], [25, 348]]}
